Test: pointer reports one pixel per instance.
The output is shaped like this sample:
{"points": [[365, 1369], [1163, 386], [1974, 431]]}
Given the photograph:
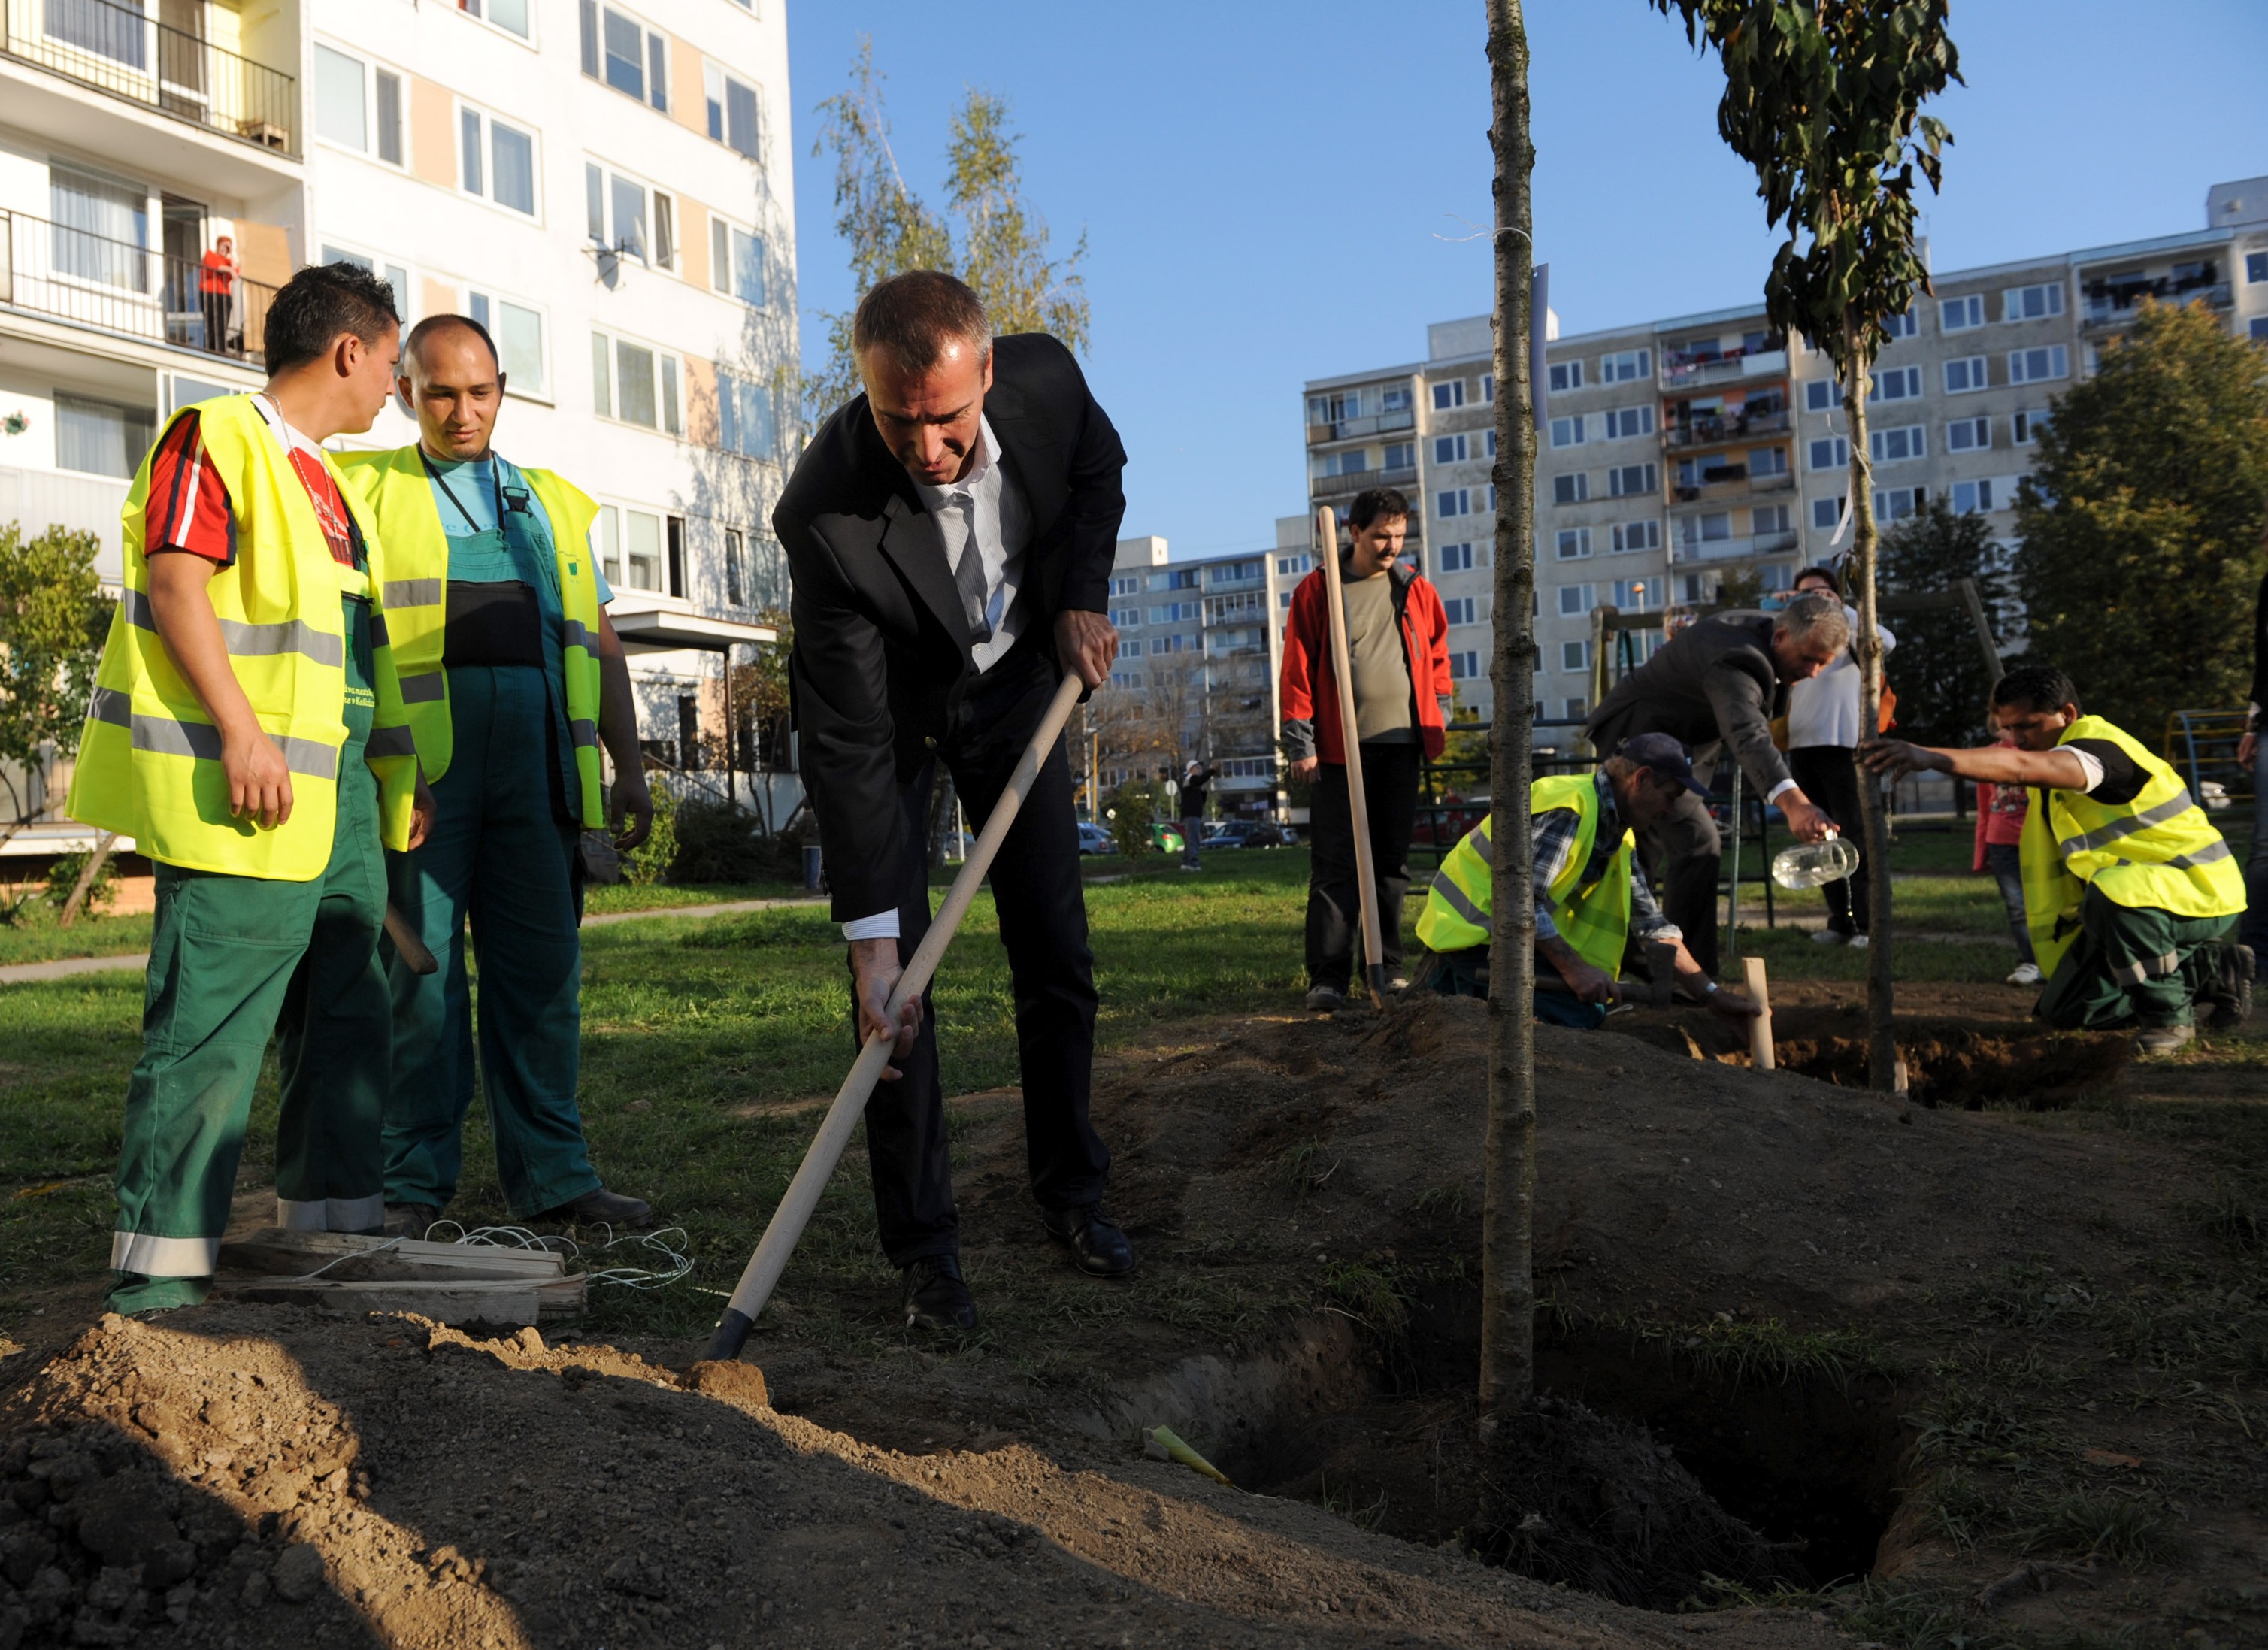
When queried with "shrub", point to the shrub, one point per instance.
{"points": [[63, 877], [649, 864], [718, 841]]}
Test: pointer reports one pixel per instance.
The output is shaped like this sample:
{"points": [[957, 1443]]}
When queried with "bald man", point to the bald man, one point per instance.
{"points": [[514, 679]]}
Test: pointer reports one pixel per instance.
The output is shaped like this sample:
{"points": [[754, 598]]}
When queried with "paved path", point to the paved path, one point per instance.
{"points": [[65, 967]]}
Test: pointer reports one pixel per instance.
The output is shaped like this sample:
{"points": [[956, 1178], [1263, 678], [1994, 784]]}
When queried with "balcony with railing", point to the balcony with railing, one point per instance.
{"points": [[1370, 424], [1729, 549], [1725, 429], [1355, 480], [116, 286], [117, 49], [1682, 369], [2112, 300], [1726, 480]]}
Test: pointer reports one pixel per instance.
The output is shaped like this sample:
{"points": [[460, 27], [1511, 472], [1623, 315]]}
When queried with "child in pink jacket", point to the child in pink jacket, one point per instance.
{"points": [[2000, 810]]}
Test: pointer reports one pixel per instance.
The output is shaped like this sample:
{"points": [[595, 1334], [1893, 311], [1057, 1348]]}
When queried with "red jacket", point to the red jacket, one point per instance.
{"points": [[1310, 692], [2000, 810]]}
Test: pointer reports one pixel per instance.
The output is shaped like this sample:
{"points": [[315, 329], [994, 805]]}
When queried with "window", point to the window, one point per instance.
{"points": [[1572, 710], [2032, 303], [1821, 395], [629, 546], [1465, 667], [102, 230], [1567, 432], [2258, 327], [1768, 519], [1459, 610], [507, 174], [1827, 514], [1900, 383], [1575, 655], [1767, 462], [1449, 396], [1978, 498], [1574, 600], [1625, 367], [1896, 445], [1448, 450], [1905, 326], [1716, 527], [1456, 558], [1180, 579], [508, 15], [1637, 595], [1959, 314], [1394, 398], [1170, 645], [99, 438], [1457, 501], [519, 334], [1966, 374], [736, 261], [732, 112], [1126, 618], [628, 56], [1570, 489], [1574, 543], [1631, 481], [1621, 422], [2030, 425], [1896, 504], [2036, 367], [1125, 586], [1636, 535], [1488, 389], [1968, 435], [1831, 453], [1403, 455], [745, 421], [622, 214], [387, 109], [1565, 376], [2256, 266], [1286, 567], [340, 103]]}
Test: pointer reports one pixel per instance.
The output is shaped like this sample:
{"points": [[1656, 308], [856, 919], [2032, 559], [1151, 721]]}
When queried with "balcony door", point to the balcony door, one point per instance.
{"points": [[181, 82], [183, 230]]}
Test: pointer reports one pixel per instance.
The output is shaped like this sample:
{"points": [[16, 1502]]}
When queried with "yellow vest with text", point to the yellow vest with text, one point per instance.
{"points": [[149, 760], [399, 494], [2158, 850], [1595, 920]]}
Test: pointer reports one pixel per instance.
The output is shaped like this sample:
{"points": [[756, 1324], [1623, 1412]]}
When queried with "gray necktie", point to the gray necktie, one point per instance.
{"points": [[968, 574]]}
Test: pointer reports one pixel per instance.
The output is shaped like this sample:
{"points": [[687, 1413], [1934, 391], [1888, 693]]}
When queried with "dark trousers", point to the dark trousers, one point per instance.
{"points": [[2134, 965], [215, 306], [1829, 777], [1042, 911], [1682, 851], [2005, 862], [1390, 780]]}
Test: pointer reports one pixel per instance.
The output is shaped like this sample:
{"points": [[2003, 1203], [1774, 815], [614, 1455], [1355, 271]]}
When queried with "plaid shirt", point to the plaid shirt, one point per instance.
{"points": [[1555, 832]]}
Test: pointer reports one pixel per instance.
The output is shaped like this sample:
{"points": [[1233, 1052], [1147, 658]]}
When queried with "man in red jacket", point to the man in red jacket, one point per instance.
{"points": [[1398, 647]]}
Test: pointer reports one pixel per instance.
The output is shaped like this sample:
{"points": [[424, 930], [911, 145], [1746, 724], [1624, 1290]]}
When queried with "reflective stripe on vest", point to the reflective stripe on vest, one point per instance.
{"points": [[396, 490], [2158, 851], [1593, 920], [149, 758]]}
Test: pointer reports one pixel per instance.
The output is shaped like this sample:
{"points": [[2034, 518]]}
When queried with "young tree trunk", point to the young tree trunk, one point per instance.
{"points": [[1882, 1038], [1508, 1155]]}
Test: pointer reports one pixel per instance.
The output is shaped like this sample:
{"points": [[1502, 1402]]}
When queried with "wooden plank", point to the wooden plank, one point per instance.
{"points": [[473, 1300], [276, 1251]]}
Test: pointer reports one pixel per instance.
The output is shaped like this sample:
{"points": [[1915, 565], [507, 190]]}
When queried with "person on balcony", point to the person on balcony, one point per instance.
{"points": [[513, 676], [217, 279]]}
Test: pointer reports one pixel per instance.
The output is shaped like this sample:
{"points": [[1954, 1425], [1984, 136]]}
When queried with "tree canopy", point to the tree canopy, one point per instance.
{"points": [[1938, 669], [2142, 520], [989, 234], [53, 619]]}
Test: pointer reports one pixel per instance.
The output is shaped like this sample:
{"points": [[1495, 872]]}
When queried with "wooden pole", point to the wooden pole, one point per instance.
{"points": [[1760, 1029], [87, 873], [1366, 872], [764, 1267]]}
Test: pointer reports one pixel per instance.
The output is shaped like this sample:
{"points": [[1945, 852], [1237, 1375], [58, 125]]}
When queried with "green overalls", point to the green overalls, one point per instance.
{"points": [[231, 959], [501, 854]]}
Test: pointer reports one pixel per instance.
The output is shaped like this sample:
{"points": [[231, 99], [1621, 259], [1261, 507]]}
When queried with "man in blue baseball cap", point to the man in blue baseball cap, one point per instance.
{"points": [[1591, 899]]}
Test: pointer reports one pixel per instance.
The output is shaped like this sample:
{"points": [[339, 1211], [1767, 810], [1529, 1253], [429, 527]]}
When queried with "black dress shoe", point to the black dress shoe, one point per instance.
{"points": [[600, 1204], [1100, 1247], [936, 1297]]}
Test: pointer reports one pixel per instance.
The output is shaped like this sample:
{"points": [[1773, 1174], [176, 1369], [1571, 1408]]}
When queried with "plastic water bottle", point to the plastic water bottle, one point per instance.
{"points": [[1808, 865]]}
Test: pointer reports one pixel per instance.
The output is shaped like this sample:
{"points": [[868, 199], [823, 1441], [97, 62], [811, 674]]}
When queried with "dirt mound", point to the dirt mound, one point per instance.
{"points": [[265, 1476]]}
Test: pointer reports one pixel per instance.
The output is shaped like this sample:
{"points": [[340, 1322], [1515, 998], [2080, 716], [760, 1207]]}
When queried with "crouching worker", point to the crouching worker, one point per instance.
{"points": [[1591, 899], [2131, 895], [247, 729]]}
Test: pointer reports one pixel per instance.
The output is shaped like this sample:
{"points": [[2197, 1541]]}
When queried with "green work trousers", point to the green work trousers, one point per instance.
{"points": [[234, 961], [2131, 965], [499, 858]]}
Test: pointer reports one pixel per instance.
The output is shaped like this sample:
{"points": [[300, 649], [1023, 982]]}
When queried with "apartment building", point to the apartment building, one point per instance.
{"points": [[607, 187], [1674, 453]]}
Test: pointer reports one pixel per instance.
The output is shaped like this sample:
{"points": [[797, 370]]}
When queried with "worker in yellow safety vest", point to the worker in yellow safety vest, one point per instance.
{"points": [[514, 679], [2129, 895], [247, 730], [1591, 898]]}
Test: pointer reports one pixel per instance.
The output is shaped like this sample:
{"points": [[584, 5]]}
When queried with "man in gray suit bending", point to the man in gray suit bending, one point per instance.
{"points": [[1716, 686]]}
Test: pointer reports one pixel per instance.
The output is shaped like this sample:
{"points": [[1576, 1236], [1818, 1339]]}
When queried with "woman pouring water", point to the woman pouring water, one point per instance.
{"points": [[1823, 730]]}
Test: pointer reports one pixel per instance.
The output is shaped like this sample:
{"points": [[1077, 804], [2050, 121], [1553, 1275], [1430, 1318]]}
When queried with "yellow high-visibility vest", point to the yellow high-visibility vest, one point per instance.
{"points": [[1594, 919], [149, 760], [398, 495], [2158, 850]]}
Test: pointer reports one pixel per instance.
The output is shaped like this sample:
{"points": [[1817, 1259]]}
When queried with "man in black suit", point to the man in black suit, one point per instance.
{"points": [[950, 533], [1719, 683]]}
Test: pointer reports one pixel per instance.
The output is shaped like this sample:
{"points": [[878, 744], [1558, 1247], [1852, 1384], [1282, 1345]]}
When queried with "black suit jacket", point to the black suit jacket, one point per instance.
{"points": [[881, 644], [1713, 680]]}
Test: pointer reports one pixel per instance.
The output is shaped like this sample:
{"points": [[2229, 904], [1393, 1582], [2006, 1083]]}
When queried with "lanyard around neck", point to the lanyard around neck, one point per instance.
{"points": [[441, 481]]}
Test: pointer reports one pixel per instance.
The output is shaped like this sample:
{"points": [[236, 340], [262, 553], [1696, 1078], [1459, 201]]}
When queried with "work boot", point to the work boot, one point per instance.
{"points": [[936, 1297], [1324, 998], [599, 1206], [1093, 1239], [2158, 1042], [1830, 937], [408, 1219], [2231, 992]]}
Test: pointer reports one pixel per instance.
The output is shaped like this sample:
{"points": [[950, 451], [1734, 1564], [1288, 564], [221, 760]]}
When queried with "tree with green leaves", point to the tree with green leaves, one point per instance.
{"points": [[53, 619], [2142, 519], [1943, 682], [988, 235], [1823, 98]]}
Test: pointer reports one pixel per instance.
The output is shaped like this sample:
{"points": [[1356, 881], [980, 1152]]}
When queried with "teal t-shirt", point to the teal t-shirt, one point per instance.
{"points": [[466, 495]]}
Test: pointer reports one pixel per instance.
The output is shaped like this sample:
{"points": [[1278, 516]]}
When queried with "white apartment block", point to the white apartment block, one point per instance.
{"points": [[607, 187], [1674, 451]]}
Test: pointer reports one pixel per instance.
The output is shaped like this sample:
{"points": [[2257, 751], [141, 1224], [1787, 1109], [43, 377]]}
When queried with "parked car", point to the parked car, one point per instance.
{"points": [[1092, 839], [1168, 837], [1246, 834]]}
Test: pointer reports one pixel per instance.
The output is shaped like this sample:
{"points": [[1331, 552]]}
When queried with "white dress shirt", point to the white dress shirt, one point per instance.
{"points": [[984, 513], [1824, 710]]}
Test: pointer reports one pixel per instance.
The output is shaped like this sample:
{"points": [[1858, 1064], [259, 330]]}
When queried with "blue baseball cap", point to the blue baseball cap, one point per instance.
{"points": [[1666, 755]]}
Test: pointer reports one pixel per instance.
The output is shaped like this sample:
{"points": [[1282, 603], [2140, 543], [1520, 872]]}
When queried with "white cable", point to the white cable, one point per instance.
{"points": [[676, 1263]]}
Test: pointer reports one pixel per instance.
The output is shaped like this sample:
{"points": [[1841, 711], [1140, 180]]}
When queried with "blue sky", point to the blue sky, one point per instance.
{"points": [[1273, 192]]}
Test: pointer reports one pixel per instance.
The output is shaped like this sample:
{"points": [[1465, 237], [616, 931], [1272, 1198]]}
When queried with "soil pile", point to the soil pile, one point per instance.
{"points": [[263, 1476]]}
